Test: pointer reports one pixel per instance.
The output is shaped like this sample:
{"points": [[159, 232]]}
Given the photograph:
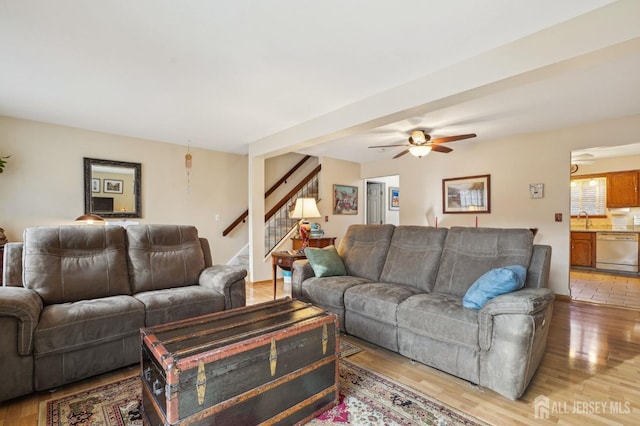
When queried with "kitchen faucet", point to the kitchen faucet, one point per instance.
{"points": [[586, 218]]}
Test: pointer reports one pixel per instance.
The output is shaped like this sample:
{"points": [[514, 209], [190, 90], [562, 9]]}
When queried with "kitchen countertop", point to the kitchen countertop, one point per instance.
{"points": [[631, 229]]}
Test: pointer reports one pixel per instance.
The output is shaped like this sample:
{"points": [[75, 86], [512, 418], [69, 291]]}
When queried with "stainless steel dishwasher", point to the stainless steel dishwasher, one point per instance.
{"points": [[617, 251]]}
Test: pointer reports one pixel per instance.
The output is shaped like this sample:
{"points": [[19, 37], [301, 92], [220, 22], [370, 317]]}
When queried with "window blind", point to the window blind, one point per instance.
{"points": [[589, 195]]}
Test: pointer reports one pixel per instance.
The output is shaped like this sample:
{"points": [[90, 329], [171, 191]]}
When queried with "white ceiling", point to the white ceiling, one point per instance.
{"points": [[224, 74]]}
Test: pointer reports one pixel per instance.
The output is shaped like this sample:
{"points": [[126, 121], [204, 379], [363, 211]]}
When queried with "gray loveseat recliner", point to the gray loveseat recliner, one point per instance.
{"points": [[404, 289], [75, 297]]}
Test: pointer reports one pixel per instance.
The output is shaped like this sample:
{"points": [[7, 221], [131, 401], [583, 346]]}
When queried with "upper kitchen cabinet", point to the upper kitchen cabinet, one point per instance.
{"points": [[622, 189]]}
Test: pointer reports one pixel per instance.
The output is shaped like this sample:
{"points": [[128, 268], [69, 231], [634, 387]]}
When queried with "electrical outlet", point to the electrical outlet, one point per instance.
{"points": [[217, 217], [558, 217]]}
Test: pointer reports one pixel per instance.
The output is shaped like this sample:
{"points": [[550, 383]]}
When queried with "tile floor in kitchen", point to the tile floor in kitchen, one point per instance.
{"points": [[621, 290]]}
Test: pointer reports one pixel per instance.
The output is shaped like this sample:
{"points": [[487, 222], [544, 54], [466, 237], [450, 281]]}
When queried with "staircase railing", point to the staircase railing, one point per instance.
{"points": [[278, 224], [243, 217], [277, 221]]}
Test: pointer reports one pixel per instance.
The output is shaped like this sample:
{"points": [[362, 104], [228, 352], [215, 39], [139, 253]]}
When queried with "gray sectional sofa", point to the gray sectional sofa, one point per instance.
{"points": [[404, 287], [75, 297]]}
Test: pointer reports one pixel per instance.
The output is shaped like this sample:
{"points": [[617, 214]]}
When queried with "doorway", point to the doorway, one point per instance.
{"points": [[377, 202], [586, 283]]}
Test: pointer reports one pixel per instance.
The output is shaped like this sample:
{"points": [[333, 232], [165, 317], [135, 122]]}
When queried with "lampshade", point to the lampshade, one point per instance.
{"points": [[305, 208], [420, 150], [89, 218]]}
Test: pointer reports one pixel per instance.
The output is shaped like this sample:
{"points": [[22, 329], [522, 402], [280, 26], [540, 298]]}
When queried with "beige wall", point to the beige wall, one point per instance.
{"points": [[43, 182], [513, 164]]}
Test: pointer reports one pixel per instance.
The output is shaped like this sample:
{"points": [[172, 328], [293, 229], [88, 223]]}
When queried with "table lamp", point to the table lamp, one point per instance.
{"points": [[90, 219], [305, 208]]}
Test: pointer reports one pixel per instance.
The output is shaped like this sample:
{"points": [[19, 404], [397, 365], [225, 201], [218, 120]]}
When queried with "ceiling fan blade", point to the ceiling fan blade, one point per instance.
{"points": [[401, 154], [454, 138], [388, 146], [440, 148], [581, 157]]}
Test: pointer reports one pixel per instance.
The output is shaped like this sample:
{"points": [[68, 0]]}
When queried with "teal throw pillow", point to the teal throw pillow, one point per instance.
{"points": [[494, 283], [325, 262]]}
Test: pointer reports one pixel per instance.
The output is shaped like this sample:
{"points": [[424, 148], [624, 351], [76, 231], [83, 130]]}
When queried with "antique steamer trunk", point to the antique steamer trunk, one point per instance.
{"points": [[273, 363]]}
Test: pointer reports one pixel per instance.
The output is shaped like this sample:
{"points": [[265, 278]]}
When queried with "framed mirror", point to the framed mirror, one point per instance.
{"points": [[112, 188]]}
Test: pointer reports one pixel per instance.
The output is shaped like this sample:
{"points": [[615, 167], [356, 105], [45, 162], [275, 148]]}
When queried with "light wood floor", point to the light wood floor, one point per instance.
{"points": [[590, 373]]}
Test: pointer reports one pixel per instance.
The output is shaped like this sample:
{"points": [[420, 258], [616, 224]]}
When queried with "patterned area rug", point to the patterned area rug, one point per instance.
{"points": [[348, 349], [366, 398]]}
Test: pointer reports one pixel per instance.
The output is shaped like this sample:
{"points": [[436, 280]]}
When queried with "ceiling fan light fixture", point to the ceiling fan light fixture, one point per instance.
{"points": [[421, 144], [419, 150], [418, 137]]}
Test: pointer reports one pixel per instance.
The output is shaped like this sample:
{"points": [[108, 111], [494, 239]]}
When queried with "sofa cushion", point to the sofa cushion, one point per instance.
{"points": [[325, 262], [470, 252], [440, 317], [329, 291], [377, 301], [494, 283], [364, 249], [414, 256], [163, 256], [72, 263], [67, 327], [174, 304]]}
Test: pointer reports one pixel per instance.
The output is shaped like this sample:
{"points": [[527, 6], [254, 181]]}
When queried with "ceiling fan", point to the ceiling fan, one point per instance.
{"points": [[579, 159], [585, 158], [421, 144]]}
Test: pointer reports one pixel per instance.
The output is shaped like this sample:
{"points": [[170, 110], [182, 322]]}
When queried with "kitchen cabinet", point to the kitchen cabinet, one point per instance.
{"points": [[622, 189], [583, 249]]}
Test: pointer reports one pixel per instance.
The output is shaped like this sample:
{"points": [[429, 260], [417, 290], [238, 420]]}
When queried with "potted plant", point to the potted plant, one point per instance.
{"points": [[3, 161]]}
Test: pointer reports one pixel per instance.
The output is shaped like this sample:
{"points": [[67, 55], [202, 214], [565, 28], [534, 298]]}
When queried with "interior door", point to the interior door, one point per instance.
{"points": [[375, 202]]}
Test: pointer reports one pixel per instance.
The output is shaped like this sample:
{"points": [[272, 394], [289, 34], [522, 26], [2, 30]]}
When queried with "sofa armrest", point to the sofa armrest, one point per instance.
{"points": [[301, 271], [12, 264], [229, 281], [527, 301], [539, 267], [206, 250], [25, 306]]}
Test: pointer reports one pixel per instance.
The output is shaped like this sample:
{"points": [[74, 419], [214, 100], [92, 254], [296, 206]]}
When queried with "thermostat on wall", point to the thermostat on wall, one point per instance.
{"points": [[536, 190]]}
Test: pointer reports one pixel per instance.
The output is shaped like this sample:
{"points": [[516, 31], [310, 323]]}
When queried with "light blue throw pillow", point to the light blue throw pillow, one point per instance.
{"points": [[494, 283], [325, 262]]}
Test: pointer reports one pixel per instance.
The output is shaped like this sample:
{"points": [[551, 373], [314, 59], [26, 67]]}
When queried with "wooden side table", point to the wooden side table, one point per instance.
{"points": [[283, 259], [319, 242]]}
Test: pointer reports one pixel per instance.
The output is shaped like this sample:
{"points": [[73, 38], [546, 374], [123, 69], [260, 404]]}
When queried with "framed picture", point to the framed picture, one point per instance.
{"points": [[345, 199], [95, 185], [113, 186], [394, 198], [470, 194], [536, 190]]}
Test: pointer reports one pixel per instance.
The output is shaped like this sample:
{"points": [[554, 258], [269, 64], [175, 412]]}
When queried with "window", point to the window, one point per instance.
{"points": [[589, 195]]}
